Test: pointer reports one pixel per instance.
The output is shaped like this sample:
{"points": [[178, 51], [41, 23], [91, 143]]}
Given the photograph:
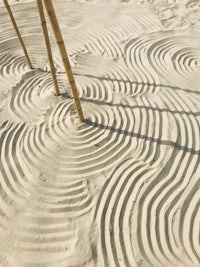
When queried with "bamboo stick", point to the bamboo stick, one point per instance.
{"points": [[48, 46], [18, 33], [63, 52]]}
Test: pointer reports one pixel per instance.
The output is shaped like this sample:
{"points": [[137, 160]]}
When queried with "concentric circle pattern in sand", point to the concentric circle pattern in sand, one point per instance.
{"points": [[90, 147], [11, 69], [35, 210], [122, 188], [157, 58], [34, 95]]}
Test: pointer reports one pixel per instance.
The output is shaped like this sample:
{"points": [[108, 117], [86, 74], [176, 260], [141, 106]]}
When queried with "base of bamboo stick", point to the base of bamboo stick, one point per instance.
{"points": [[56, 94]]}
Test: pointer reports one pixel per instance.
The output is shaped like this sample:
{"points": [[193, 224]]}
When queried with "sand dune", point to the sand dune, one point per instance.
{"points": [[122, 188]]}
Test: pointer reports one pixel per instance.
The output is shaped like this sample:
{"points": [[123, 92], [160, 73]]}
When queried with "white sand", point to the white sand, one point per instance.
{"points": [[123, 188]]}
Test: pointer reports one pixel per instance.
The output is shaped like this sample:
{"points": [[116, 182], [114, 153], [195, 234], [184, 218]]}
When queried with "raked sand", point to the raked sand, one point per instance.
{"points": [[121, 189]]}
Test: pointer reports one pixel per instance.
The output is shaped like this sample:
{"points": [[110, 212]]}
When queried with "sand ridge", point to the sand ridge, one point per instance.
{"points": [[122, 188]]}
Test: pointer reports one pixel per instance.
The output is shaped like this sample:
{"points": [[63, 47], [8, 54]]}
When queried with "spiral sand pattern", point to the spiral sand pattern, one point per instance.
{"points": [[122, 188]]}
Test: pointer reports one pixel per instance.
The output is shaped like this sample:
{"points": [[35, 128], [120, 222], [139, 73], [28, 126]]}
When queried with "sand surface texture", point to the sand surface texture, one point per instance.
{"points": [[121, 189]]}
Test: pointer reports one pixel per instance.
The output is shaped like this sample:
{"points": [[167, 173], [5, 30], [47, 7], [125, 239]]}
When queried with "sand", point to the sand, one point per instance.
{"points": [[121, 189]]}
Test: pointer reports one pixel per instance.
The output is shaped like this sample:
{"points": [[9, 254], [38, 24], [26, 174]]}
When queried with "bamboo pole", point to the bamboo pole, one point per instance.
{"points": [[18, 33], [48, 46], [63, 52]]}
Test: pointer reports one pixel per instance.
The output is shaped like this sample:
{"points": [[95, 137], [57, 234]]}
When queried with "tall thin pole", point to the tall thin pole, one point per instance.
{"points": [[18, 33], [48, 46], [63, 52]]}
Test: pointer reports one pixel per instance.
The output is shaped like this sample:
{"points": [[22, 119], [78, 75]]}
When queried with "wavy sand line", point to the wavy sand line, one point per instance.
{"points": [[113, 213], [183, 124], [151, 204], [140, 67]]}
